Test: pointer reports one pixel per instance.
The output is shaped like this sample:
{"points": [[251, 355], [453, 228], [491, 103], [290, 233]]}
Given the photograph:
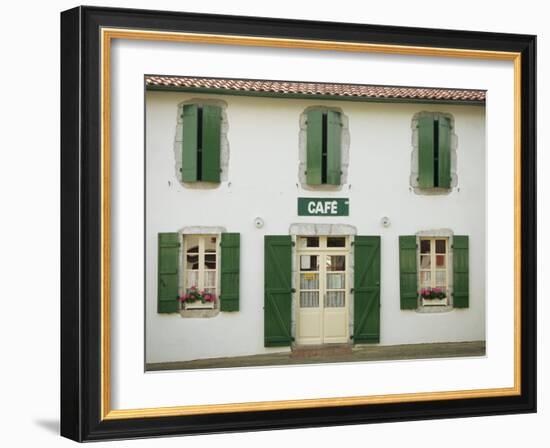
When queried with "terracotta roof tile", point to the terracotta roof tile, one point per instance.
{"points": [[314, 89]]}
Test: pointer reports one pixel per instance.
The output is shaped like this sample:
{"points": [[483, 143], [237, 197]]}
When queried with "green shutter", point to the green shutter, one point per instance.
{"points": [[168, 269], [314, 147], [407, 272], [211, 138], [366, 289], [425, 152], [444, 174], [334, 138], [278, 290], [189, 143], [230, 264], [461, 283]]}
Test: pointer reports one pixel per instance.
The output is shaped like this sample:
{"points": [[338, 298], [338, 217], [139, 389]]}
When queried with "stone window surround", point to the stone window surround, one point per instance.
{"points": [[302, 151], [303, 229], [443, 233], [224, 144], [414, 156], [200, 230]]}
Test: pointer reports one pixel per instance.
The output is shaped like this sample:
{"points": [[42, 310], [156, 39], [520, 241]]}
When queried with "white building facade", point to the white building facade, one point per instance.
{"points": [[289, 215]]}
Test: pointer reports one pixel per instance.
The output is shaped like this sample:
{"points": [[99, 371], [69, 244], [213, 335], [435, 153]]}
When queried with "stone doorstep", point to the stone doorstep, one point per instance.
{"points": [[326, 350]]}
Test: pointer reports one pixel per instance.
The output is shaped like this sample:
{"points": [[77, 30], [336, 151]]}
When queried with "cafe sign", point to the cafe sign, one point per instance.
{"points": [[323, 207]]}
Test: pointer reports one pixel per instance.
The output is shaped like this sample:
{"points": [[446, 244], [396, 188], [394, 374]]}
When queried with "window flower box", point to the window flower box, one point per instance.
{"points": [[194, 299], [433, 296]]}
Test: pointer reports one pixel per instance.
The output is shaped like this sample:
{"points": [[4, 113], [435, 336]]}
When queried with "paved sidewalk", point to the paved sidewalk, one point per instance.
{"points": [[358, 353]]}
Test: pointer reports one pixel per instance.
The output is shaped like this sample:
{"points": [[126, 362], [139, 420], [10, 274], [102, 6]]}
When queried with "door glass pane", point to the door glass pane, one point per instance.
{"points": [[309, 280], [335, 299], [336, 281], [336, 263], [424, 246], [309, 299], [210, 244], [440, 246], [425, 261], [309, 263], [336, 241]]}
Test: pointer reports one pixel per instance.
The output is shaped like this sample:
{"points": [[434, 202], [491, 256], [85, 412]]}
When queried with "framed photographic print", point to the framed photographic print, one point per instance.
{"points": [[271, 223]]}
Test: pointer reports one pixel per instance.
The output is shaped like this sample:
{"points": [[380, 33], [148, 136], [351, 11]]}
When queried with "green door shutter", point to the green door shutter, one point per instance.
{"points": [[211, 138], [168, 268], [444, 174], [189, 143], [277, 289], [425, 152], [366, 289], [461, 283], [314, 147], [334, 138], [407, 272], [230, 264]]}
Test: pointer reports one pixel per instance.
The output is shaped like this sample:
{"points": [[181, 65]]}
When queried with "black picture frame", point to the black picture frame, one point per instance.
{"points": [[81, 224]]}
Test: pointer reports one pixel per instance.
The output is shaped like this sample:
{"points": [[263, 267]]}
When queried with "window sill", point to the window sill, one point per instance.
{"points": [[435, 302], [199, 306], [433, 309], [200, 313]]}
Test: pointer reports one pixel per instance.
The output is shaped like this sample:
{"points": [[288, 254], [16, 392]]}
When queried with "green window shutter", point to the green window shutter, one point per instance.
{"points": [[168, 270], [230, 264], [189, 143], [408, 280], [366, 289], [461, 277], [211, 138], [334, 139], [314, 160], [444, 174], [425, 152], [278, 290]]}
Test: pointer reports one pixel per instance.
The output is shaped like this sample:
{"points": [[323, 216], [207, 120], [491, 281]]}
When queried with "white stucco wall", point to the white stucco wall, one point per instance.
{"points": [[262, 181]]}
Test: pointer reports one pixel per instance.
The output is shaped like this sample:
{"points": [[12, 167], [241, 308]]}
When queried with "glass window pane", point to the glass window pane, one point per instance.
{"points": [[441, 278], [336, 241], [210, 244], [309, 280], [192, 279], [440, 261], [425, 279], [309, 263], [192, 261], [309, 241], [309, 299], [425, 262], [192, 243], [440, 246], [425, 246], [210, 261], [209, 278], [336, 281], [335, 299], [336, 263]]}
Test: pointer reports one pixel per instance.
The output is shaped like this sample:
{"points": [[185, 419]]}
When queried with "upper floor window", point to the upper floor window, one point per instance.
{"points": [[201, 143], [434, 140], [324, 141]]}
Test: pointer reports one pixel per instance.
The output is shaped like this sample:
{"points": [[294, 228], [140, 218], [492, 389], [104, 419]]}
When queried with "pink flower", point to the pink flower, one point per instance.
{"points": [[193, 288]]}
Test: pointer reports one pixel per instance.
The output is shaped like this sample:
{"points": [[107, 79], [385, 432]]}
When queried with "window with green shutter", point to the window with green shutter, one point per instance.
{"points": [[201, 143], [434, 151], [324, 152]]}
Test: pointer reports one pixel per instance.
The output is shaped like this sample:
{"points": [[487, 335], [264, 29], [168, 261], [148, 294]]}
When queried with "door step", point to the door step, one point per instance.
{"points": [[321, 351]]}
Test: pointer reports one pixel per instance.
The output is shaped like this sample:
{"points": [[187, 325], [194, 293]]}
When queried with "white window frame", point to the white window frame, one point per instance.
{"points": [[433, 270], [201, 271]]}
